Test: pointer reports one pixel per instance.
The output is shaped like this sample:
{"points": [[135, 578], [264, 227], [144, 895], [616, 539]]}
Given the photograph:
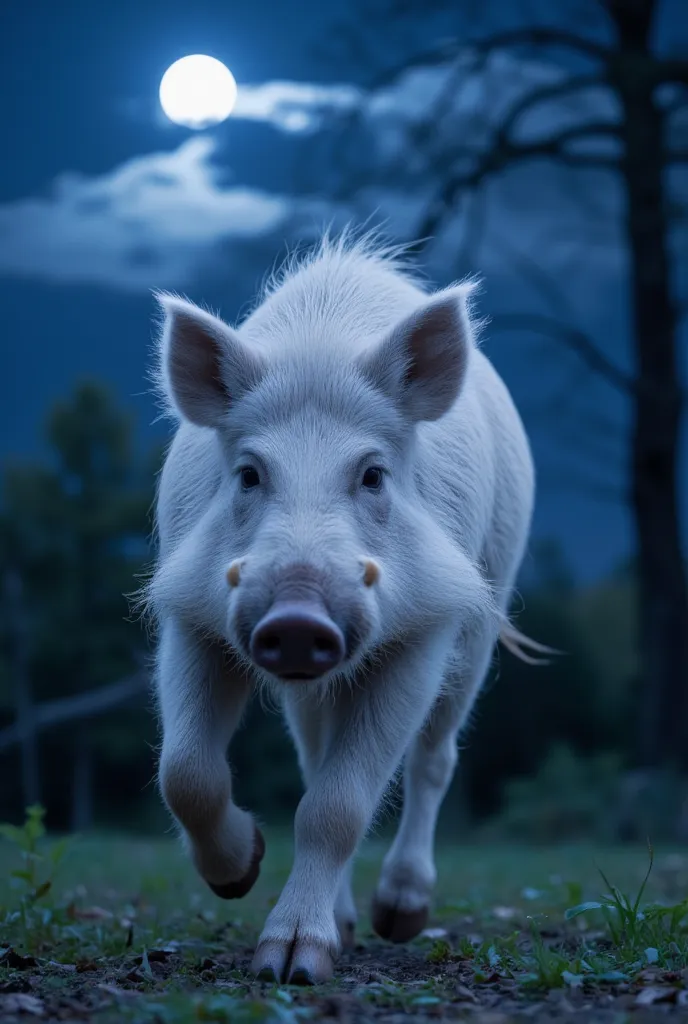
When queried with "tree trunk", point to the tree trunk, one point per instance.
{"points": [[82, 786], [663, 593], [21, 686]]}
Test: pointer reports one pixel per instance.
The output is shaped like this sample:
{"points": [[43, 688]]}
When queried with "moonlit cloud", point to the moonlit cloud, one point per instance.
{"points": [[148, 223], [157, 219], [294, 106]]}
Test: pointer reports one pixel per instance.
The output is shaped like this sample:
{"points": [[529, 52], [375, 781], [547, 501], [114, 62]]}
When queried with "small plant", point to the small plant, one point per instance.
{"points": [[440, 952], [641, 935], [35, 876]]}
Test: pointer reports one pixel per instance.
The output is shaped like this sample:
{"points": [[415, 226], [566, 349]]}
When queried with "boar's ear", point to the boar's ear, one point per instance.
{"points": [[422, 362], [204, 366]]}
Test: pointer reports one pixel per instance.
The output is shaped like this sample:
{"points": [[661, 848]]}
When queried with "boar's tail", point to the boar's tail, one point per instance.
{"points": [[515, 641]]}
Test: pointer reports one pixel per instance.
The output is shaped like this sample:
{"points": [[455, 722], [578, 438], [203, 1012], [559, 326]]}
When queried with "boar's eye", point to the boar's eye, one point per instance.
{"points": [[249, 478], [372, 478]]}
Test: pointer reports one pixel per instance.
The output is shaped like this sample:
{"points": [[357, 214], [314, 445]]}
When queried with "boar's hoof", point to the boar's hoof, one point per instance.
{"points": [[398, 925], [302, 963], [347, 933], [235, 890]]}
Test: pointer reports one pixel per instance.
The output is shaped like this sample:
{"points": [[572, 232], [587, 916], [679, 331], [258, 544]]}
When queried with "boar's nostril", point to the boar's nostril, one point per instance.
{"points": [[270, 648], [297, 640]]}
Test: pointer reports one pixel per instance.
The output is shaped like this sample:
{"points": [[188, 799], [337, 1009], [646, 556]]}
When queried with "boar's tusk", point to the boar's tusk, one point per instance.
{"points": [[371, 572], [234, 573]]}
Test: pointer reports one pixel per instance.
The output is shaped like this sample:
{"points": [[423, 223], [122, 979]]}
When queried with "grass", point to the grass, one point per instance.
{"points": [[107, 928]]}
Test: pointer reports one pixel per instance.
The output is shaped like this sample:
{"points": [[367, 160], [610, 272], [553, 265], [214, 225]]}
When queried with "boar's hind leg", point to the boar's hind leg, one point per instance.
{"points": [[369, 728], [402, 900], [201, 701]]}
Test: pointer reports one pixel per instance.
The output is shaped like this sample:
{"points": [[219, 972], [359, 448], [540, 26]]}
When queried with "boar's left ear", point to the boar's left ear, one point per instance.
{"points": [[203, 365], [422, 362]]}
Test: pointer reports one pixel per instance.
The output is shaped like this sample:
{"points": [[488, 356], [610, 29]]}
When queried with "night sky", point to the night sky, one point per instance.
{"points": [[101, 200]]}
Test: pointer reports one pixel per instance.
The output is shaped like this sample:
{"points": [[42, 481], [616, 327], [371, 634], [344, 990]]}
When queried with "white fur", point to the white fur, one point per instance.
{"points": [[310, 381]]}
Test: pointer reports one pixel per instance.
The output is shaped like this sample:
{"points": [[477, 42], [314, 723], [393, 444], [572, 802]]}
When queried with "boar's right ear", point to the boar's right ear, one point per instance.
{"points": [[422, 362], [204, 366]]}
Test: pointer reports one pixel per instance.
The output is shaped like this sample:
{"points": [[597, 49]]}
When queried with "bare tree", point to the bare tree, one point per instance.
{"points": [[628, 130], [17, 627]]}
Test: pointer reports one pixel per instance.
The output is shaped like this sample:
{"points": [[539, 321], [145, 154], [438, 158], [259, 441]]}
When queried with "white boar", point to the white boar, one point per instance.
{"points": [[341, 517]]}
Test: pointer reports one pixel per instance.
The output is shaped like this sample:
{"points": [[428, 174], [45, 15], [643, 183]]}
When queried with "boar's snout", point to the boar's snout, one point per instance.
{"points": [[297, 640]]}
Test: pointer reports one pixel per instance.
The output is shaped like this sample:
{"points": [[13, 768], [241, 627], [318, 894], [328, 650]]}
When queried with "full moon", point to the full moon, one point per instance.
{"points": [[198, 91]]}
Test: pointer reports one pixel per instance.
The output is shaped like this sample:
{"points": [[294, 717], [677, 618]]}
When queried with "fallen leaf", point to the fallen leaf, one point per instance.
{"points": [[380, 979], [504, 913], [649, 974], [486, 979], [650, 996], [83, 966], [160, 955], [20, 1002], [10, 958], [92, 913], [115, 990]]}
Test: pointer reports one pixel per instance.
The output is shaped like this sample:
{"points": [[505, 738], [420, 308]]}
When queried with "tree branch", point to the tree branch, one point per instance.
{"points": [[491, 159], [572, 338], [81, 705], [543, 35], [504, 151], [450, 50], [542, 95]]}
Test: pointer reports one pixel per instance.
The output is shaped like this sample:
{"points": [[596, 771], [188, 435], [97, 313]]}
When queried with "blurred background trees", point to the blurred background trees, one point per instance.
{"points": [[74, 536]]}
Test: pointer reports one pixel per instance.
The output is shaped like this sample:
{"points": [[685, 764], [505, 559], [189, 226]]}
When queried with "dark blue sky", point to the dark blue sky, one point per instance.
{"points": [[145, 205]]}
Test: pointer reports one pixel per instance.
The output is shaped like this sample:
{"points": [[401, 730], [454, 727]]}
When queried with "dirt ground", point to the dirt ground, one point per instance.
{"points": [[125, 932]]}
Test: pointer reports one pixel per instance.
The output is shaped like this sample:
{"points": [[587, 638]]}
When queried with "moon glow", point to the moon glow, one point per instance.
{"points": [[198, 91]]}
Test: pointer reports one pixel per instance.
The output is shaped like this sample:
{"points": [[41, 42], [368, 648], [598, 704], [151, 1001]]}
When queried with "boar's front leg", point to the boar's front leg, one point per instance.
{"points": [[371, 725], [309, 720], [201, 701]]}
